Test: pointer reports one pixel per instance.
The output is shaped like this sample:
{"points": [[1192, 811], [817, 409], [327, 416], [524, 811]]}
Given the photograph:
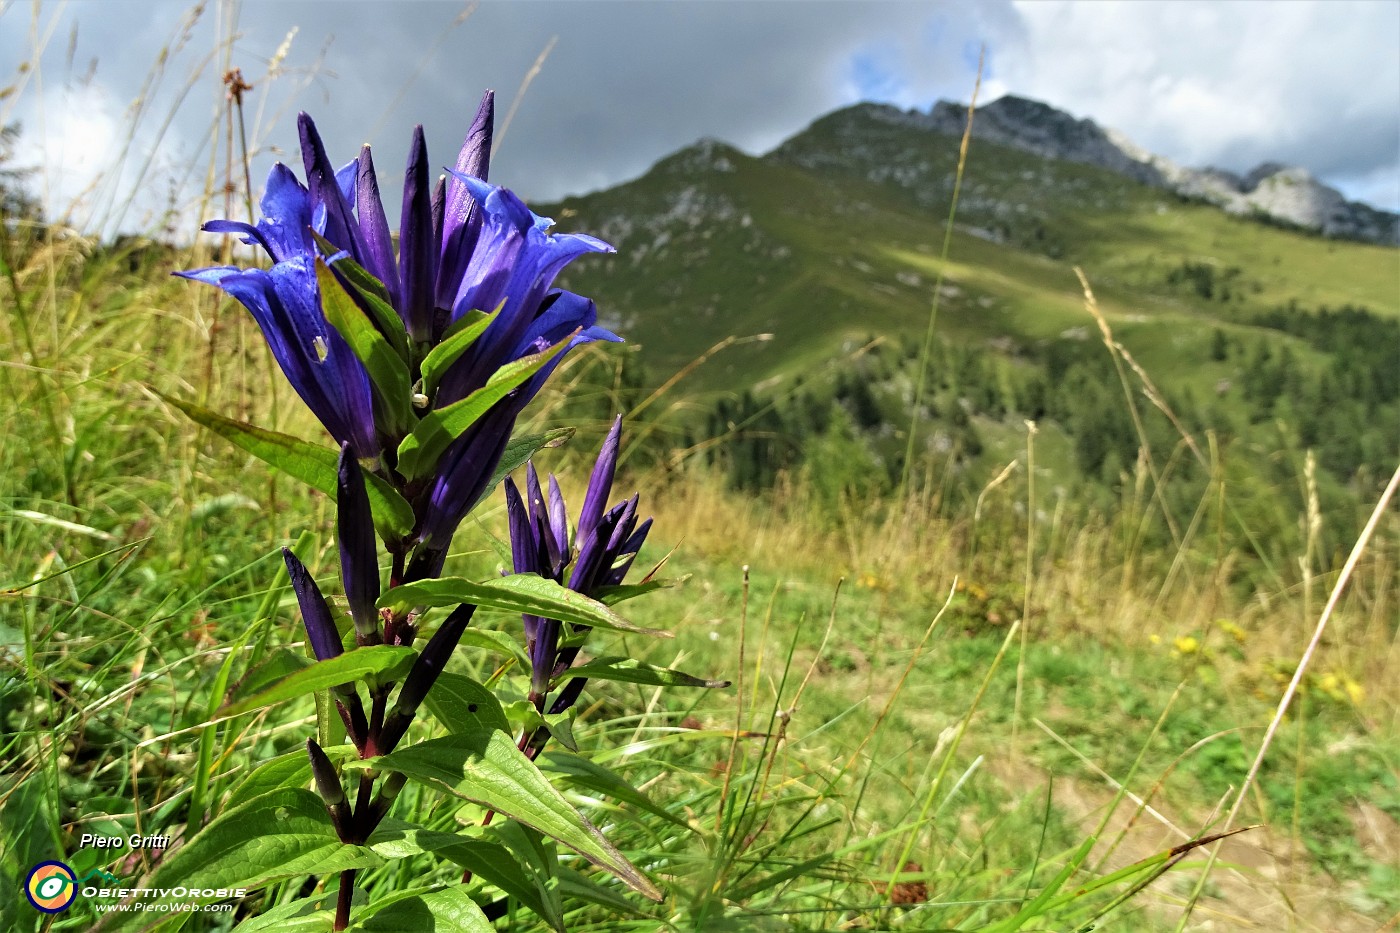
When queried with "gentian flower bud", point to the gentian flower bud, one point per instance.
{"points": [[328, 786], [359, 563], [315, 612], [423, 675], [605, 544]]}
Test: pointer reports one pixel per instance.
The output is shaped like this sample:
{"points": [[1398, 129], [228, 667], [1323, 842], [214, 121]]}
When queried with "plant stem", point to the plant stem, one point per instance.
{"points": [[342, 901]]}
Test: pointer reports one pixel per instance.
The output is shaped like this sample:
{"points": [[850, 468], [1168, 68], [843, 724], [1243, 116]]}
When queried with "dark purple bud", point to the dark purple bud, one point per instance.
{"points": [[524, 549], [461, 222], [626, 556], [600, 483], [442, 314], [417, 244], [623, 526], [359, 561], [568, 694], [558, 523], [341, 228], [423, 675], [315, 614], [549, 558], [595, 556], [352, 713], [544, 655], [327, 781], [374, 227]]}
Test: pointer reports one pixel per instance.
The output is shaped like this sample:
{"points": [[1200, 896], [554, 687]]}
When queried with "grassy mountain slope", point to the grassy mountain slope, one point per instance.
{"points": [[833, 241], [835, 236]]}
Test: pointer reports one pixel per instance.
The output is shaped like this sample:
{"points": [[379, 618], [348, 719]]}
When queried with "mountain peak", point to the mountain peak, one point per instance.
{"points": [[1272, 191], [705, 155]]}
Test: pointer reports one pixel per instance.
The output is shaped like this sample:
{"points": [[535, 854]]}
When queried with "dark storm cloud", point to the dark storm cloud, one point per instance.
{"points": [[628, 82]]}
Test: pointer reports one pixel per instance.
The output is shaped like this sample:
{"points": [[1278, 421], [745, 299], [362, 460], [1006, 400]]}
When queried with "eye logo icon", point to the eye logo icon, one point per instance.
{"points": [[51, 887]]}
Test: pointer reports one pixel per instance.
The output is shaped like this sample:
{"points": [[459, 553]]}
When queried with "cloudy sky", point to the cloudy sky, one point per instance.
{"points": [[617, 85]]}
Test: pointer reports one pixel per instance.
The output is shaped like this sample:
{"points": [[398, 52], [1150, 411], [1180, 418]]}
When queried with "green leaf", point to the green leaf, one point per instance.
{"points": [[280, 835], [520, 592], [292, 769], [313, 465], [454, 343], [540, 857], [632, 671], [612, 595], [313, 914], [420, 451], [575, 886], [282, 662], [592, 776], [446, 910], [560, 726], [463, 705], [488, 861], [388, 372], [497, 642], [374, 295], [325, 675], [486, 768], [522, 448]]}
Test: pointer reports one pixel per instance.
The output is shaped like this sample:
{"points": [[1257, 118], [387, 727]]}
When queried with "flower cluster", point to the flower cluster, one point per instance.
{"points": [[605, 544], [468, 252]]}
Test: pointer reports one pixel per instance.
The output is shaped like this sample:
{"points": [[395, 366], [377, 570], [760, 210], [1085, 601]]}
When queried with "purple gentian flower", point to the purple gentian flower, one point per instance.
{"points": [[604, 547], [464, 246]]}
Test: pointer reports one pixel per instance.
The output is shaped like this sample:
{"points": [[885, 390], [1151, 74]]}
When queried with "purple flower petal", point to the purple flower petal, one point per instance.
{"points": [[461, 216], [326, 191], [374, 227]]}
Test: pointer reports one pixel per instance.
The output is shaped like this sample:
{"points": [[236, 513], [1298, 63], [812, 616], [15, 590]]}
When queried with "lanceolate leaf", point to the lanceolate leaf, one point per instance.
{"points": [[463, 705], [279, 835], [632, 671], [454, 343], [393, 389], [324, 675], [612, 595], [522, 448], [289, 770], [520, 592], [446, 910], [489, 861], [420, 451], [592, 776], [486, 768], [575, 886], [313, 465], [313, 914], [374, 297], [495, 642]]}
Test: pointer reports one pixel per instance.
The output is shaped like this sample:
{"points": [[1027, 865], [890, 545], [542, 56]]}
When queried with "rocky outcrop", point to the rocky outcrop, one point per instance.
{"points": [[1271, 192]]}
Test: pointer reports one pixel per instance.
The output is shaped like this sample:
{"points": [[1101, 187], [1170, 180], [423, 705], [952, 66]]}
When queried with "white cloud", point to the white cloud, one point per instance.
{"points": [[1229, 84], [98, 168]]}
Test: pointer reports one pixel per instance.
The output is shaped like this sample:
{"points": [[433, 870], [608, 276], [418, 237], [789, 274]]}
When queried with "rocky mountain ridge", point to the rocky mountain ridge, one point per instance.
{"points": [[1271, 192]]}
